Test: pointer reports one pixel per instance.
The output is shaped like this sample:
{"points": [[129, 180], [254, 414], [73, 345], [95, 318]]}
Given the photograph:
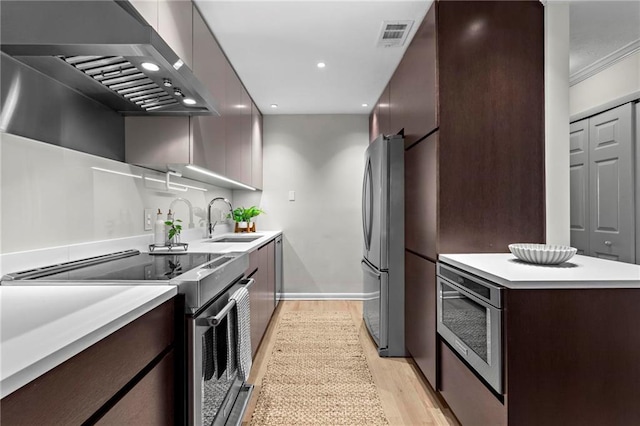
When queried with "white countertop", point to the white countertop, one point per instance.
{"points": [[579, 272], [204, 246], [43, 326]]}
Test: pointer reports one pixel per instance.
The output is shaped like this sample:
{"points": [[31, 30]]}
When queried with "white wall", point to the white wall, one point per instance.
{"points": [[52, 197], [620, 79], [321, 158], [557, 123]]}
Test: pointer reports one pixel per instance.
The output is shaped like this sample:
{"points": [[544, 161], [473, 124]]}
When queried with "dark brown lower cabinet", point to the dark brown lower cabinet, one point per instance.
{"points": [[420, 314], [150, 402], [573, 357], [91, 382], [469, 399], [262, 293]]}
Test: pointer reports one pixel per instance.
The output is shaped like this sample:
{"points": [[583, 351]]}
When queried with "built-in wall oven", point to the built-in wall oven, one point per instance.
{"points": [[470, 321]]}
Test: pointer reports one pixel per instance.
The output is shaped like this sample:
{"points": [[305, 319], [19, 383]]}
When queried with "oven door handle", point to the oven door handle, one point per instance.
{"points": [[216, 319]]}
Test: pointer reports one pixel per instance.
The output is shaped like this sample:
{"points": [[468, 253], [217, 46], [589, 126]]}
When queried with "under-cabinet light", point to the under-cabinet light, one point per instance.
{"points": [[274, 105], [116, 172], [217, 176], [176, 184], [321, 65], [365, 105], [189, 101]]}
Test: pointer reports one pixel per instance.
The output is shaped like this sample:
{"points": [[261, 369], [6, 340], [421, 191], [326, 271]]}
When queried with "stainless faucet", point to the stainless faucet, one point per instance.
{"points": [[189, 205], [212, 226]]}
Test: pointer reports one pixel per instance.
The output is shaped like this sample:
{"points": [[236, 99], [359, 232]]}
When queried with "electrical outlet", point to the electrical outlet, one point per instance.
{"points": [[292, 195], [148, 219]]}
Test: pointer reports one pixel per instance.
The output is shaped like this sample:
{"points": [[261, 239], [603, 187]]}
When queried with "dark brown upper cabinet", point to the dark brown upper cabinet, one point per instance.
{"points": [[413, 93], [491, 143], [379, 118], [487, 108]]}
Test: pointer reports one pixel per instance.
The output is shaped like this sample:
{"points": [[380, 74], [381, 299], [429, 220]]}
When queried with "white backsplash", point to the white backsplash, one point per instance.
{"points": [[56, 206]]}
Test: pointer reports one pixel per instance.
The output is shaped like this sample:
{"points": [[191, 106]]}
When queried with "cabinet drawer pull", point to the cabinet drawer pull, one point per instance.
{"points": [[608, 243]]}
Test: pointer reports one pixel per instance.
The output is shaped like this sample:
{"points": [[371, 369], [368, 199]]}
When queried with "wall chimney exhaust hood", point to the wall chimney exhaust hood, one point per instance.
{"points": [[105, 50]]}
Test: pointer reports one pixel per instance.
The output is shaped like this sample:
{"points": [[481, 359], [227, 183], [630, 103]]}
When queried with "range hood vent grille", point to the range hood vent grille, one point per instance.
{"points": [[105, 50], [123, 78], [394, 33]]}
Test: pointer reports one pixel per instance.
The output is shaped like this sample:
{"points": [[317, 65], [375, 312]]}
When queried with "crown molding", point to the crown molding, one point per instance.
{"points": [[604, 63]]}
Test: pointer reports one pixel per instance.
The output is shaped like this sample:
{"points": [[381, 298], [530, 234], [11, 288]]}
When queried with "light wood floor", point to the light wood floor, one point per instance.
{"points": [[406, 398]]}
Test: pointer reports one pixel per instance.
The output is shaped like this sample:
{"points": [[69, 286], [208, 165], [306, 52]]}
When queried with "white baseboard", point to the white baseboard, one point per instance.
{"points": [[321, 296]]}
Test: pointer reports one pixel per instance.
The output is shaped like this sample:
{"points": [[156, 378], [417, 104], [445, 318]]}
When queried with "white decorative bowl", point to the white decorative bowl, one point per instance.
{"points": [[543, 254]]}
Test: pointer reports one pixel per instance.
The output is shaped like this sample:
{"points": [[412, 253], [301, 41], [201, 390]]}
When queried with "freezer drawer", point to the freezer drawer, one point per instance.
{"points": [[375, 305]]}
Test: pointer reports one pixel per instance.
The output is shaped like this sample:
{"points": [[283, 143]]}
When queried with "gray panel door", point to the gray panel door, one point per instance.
{"points": [[611, 185], [579, 181]]}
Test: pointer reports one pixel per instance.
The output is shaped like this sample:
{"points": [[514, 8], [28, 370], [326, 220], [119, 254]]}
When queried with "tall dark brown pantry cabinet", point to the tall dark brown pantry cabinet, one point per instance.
{"points": [[469, 97]]}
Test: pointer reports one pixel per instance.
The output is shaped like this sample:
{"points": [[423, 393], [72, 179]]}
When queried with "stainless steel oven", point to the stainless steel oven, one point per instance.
{"points": [[470, 320], [216, 393]]}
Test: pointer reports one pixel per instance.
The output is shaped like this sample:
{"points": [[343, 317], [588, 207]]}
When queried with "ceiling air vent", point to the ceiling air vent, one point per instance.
{"points": [[394, 33]]}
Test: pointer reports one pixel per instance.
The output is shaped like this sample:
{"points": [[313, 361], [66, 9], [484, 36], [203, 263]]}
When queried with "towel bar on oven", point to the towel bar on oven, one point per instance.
{"points": [[215, 320]]}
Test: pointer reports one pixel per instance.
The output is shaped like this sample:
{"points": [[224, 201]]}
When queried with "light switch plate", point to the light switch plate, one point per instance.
{"points": [[292, 195], [148, 219]]}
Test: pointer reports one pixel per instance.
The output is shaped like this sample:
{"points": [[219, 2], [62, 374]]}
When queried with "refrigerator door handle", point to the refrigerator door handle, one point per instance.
{"points": [[367, 188], [368, 269]]}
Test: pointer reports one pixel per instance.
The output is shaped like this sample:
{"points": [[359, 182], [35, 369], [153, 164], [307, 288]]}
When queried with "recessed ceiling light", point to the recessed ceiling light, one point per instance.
{"points": [[189, 101], [274, 105], [240, 106], [365, 105], [321, 65], [150, 66]]}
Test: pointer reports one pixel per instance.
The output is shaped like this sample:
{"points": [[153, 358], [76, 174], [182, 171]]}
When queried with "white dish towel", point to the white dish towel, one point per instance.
{"points": [[243, 335]]}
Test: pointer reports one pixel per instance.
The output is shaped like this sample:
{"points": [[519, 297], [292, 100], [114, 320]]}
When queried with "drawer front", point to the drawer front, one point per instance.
{"points": [[253, 263], [150, 402], [73, 391], [469, 399]]}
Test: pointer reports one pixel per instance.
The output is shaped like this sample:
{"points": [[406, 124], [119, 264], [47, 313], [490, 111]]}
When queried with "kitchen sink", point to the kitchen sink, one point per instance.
{"points": [[235, 239]]}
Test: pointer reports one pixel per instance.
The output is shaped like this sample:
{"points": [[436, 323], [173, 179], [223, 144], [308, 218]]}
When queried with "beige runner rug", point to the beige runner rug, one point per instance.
{"points": [[317, 375]]}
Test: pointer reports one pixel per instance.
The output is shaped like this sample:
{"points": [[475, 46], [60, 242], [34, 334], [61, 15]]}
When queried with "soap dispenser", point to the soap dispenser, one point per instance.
{"points": [[159, 231]]}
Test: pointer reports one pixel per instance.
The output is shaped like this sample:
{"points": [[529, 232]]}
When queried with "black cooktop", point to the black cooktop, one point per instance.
{"points": [[137, 267]]}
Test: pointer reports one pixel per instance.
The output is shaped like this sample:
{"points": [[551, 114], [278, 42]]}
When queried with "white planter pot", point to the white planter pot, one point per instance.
{"points": [[243, 225]]}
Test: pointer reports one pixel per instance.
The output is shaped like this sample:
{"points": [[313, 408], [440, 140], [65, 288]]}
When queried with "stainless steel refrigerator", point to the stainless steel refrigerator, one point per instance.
{"points": [[383, 246]]}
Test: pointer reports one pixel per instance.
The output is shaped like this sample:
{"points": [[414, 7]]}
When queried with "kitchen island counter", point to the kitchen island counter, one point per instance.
{"points": [[579, 272]]}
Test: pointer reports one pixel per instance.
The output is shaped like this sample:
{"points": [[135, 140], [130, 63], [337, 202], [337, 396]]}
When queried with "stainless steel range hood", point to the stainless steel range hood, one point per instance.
{"points": [[97, 47]]}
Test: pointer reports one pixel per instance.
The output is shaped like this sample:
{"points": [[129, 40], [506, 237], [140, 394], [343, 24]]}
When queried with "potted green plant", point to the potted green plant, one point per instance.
{"points": [[238, 216], [250, 213], [174, 230], [242, 216]]}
